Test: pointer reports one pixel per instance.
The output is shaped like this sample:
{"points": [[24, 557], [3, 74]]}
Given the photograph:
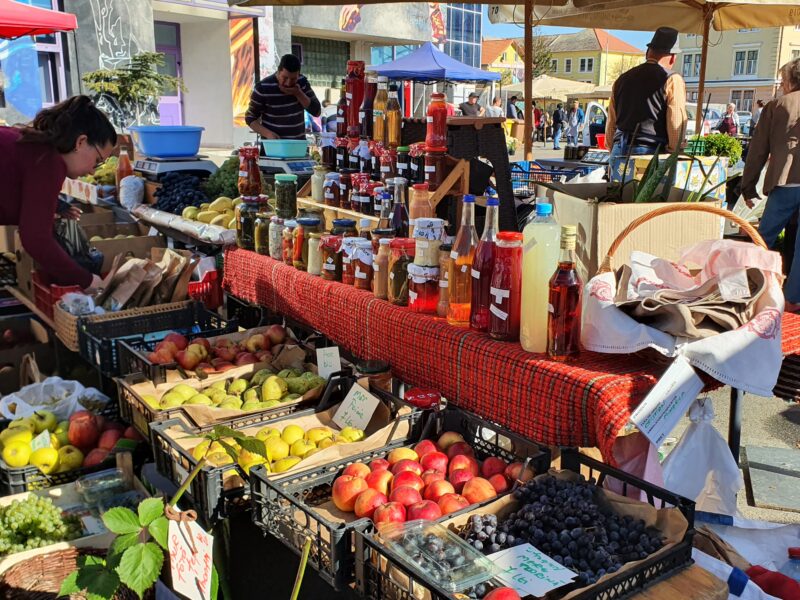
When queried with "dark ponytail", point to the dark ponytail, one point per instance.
{"points": [[60, 126]]}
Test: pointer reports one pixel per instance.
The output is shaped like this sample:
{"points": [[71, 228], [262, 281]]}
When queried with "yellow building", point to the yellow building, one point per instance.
{"points": [[503, 56], [742, 65]]}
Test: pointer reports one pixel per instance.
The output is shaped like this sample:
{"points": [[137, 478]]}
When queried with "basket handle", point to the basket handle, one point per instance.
{"points": [[605, 266]]}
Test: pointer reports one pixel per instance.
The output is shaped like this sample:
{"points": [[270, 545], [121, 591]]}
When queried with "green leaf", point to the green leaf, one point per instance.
{"points": [[214, 583], [231, 451], [89, 559], [221, 431], [122, 543], [159, 529], [69, 585], [255, 446], [99, 581], [149, 510], [140, 567], [121, 520]]}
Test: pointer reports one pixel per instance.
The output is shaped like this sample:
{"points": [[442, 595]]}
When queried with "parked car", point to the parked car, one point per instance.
{"points": [[710, 123], [596, 118], [745, 121]]}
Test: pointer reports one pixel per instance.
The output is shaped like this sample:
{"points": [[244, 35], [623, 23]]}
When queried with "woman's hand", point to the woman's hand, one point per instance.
{"points": [[95, 286], [73, 213]]}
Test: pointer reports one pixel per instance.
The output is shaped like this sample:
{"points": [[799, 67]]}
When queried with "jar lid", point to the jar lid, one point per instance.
{"points": [[492, 201], [344, 222], [372, 367], [384, 241], [291, 223], [423, 187], [331, 240], [309, 221], [469, 198], [363, 243], [509, 236], [402, 148], [428, 223], [403, 243], [286, 178], [435, 150], [332, 175], [383, 232]]}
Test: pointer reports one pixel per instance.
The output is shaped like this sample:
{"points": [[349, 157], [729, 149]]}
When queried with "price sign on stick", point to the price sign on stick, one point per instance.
{"points": [[328, 361], [190, 559], [357, 408], [530, 571]]}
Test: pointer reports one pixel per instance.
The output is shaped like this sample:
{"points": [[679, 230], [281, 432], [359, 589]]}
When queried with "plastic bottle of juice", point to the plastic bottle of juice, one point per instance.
{"points": [[482, 266], [540, 251], [460, 279]]}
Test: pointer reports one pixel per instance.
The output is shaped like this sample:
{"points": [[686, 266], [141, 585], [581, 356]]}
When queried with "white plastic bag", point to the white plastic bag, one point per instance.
{"points": [[701, 467], [131, 192], [635, 455], [57, 395]]}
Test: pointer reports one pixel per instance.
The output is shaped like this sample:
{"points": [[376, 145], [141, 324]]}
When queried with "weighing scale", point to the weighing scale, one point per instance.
{"points": [[595, 156], [302, 167], [153, 169]]}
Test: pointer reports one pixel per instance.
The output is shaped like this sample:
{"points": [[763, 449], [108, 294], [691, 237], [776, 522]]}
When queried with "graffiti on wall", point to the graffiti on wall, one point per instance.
{"points": [[267, 54], [116, 42], [438, 30], [243, 67]]}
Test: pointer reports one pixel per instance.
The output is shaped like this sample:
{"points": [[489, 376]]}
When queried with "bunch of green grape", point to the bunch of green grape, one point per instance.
{"points": [[225, 181], [34, 522]]}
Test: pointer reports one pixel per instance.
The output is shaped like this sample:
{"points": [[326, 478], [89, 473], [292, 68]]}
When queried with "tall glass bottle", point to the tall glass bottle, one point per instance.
{"points": [[366, 114], [399, 211], [566, 289], [341, 112], [482, 266], [506, 287], [460, 278], [394, 119], [540, 252], [355, 95], [379, 110]]}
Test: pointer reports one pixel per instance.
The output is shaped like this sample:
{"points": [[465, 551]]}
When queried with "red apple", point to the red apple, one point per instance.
{"points": [[426, 509], [188, 360], [380, 464], [406, 465], [459, 477], [131, 434], [408, 478], [109, 439], [477, 490], [200, 341], [460, 448], [179, 340], [95, 457], [169, 347], [264, 356], [426, 446], [450, 503], [245, 358], [276, 334], [499, 483], [514, 472], [492, 465], [111, 426], [448, 438], [462, 461], [503, 593], [405, 495], [367, 502], [391, 512], [380, 480], [345, 491], [435, 460], [438, 489], [226, 353], [83, 432], [356, 470], [429, 476]]}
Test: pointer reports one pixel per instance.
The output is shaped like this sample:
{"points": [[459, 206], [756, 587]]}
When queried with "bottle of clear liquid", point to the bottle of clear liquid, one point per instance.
{"points": [[564, 308], [379, 110], [792, 567], [540, 251], [394, 119], [460, 276], [482, 266]]}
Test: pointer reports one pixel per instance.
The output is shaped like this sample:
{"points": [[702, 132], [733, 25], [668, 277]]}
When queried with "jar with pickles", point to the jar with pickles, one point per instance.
{"points": [[246, 213], [345, 228], [349, 245], [314, 253], [286, 195], [261, 233], [362, 260], [276, 238], [288, 241], [331, 257], [305, 226], [402, 255]]}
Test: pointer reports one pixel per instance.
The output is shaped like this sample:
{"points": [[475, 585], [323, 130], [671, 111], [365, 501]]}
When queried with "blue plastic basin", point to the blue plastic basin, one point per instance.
{"points": [[285, 148], [166, 141]]}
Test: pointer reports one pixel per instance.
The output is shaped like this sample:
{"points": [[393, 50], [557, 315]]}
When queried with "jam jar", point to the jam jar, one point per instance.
{"points": [[288, 241], [305, 226], [330, 249], [388, 165], [378, 373], [261, 233], [378, 234], [246, 213], [402, 255], [428, 234], [346, 188], [345, 228], [314, 253], [249, 182], [286, 195], [349, 245], [435, 167], [362, 261], [423, 288], [328, 149], [416, 162], [276, 238], [403, 168], [331, 192]]}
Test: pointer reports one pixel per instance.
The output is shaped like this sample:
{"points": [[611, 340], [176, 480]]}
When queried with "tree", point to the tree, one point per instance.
{"points": [[625, 63], [542, 56]]}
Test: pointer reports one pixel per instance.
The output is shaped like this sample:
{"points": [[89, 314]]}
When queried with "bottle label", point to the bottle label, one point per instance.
{"points": [[476, 274], [345, 260], [361, 115], [412, 296], [453, 254], [385, 169], [329, 195], [463, 268], [443, 283], [376, 266], [378, 205], [378, 114], [348, 96], [342, 187], [402, 166], [393, 95], [430, 168], [529, 245], [499, 295], [340, 119], [550, 308], [498, 313], [360, 274], [329, 266], [422, 244], [414, 167], [353, 158], [242, 173], [429, 119]]}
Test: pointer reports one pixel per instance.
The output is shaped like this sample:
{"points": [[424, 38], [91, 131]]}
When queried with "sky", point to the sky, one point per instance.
{"points": [[636, 38]]}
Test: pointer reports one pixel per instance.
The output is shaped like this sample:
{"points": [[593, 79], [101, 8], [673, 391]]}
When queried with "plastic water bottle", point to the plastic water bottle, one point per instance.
{"points": [[792, 567]]}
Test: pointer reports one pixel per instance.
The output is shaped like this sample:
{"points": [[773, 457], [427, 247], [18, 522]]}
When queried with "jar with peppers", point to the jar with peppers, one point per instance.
{"points": [[402, 255], [276, 238], [345, 228], [246, 213], [305, 226], [435, 167], [436, 131], [348, 265], [506, 290], [249, 183], [423, 288], [362, 264], [331, 257], [286, 195], [288, 241], [444, 284], [331, 192], [354, 91], [380, 269]]}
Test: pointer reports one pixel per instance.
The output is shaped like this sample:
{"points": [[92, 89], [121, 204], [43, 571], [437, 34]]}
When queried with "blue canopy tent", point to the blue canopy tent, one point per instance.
{"points": [[428, 63]]}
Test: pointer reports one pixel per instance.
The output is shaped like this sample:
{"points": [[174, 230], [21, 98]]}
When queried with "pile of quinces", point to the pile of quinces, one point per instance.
{"points": [[220, 212]]}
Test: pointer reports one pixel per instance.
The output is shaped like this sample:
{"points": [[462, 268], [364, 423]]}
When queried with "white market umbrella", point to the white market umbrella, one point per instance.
{"points": [[545, 86]]}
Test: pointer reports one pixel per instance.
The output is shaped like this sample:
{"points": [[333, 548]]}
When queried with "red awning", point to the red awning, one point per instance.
{"points": [[17, 20]]}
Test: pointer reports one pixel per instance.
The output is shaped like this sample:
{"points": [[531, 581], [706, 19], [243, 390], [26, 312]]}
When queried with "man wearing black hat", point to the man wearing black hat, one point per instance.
{"points": [[649, 102]]}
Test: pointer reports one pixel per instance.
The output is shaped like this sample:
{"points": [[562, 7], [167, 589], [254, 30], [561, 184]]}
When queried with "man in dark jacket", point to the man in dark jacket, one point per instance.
{"points": [[559, 116]]}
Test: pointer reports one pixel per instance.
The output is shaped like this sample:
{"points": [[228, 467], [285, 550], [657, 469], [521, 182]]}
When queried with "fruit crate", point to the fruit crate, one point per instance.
{"points": [[382, 574], [211, 494], [119, 346], [45, 294], [249, 315], [287, 508], [8, 271]]}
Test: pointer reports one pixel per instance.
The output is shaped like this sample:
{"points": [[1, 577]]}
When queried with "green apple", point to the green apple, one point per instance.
{"points": [[217, 396], [247, 460], [251, 406], [185, 391], [352, 434], [17, 454], [276, 448], [200, 399], [24, 422], [62, 433], [265, 433], [45, 459], [171, 400], [317, 434], [301, 448], [69, 458], [218, 385], [151, 402], [251, 395], [16, 433], [237, 387], [44, 419], [279, 466]]}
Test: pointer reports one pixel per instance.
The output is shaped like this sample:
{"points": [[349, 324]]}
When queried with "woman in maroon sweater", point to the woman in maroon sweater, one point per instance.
{"points": [[67, 140]]}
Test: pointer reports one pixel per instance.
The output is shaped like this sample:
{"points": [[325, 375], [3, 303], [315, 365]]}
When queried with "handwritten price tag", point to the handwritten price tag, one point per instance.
{"points": [[530, 571], [190, 563], [328, 361], [357, 408], [41, 441]]}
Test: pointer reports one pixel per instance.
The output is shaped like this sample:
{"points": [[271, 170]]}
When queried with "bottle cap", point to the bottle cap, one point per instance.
{"points": [[421, 187], [364, 223], [344, 222], [569, 230], [286, 178], [543, 209], [403, 148], [509, 236], [492, 201], [469, 199], [309, 221], [404, 243]]}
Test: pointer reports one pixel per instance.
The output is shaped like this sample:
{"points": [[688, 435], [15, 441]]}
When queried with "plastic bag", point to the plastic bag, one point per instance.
{"points": [[131, 192], [78, 304], [740, 586], [61, 397], [635, 455], [712, 482], [73, 239]]}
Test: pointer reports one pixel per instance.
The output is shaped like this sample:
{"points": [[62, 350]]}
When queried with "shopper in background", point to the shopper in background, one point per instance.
{"points": [[559, 116], [729, 123], [471, 108], [575, 121], [775, 142], [69, 139], [511, 109], [756, 115], [496, 109], [328, 116], [537, 121]]}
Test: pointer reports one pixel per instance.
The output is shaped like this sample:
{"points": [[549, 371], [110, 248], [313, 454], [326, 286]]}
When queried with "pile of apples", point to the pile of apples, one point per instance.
{"points": [[85, 440], [223, 355], [431, 480]]}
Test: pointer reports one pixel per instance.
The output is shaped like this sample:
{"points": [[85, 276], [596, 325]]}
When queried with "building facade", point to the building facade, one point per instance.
{"points": [[504, 56], [741, 67]]}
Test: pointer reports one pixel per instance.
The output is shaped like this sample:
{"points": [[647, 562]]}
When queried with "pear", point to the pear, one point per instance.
{"points": [[171, 400], [184, 391], [200, 399], [151, 402], [218, 385], [217, 396], [237, 387], [279, 466], [251, 395]]}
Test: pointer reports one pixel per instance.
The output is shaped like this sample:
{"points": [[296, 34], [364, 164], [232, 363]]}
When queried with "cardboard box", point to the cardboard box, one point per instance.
{"points": [[692, 169], [139, 246], [87, 192], [599, 223], [25, 335]]}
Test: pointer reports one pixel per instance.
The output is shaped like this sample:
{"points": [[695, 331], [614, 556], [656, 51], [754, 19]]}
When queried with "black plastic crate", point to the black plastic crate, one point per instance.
{"points": [[278, 503], [249, 315], [119, 346], [8, 271], [375, 562]]}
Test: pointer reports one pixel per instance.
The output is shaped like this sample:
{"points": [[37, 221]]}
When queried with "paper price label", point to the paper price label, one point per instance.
{"points": [[93, 525], [329, 266], [475, 274], [430, 169], [242, 173], [360, 274], [348, 96], [190, 559], [429, 119], [385, 169], [463, 268], [502, 315], [529, 571], [499, 295], [412, 296], [453, 254], [357, 408], [422, 244], [41, 441], [401, 166], [414, 167], [328, 361], [340, 119], [443, 283], [376, 267]]}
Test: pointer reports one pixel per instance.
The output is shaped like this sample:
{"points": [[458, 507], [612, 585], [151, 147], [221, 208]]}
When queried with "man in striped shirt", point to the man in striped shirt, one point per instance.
{"points": [[278, 103]]}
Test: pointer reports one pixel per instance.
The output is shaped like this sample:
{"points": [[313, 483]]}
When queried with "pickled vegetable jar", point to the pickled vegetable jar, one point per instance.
{"points": [[261, 233], [246, 213], [402, 256], [276, 238], [330, 249], [249, 183], [288, 242], [286, 195], [362, 260], [314, 253], [423, 288], [304, 227], [318, 184]]}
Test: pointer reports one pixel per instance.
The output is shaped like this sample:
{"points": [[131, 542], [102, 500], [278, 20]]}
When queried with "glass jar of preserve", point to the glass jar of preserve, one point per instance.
{"points": [[402, 256], [345, 188], [364, 230], [345, 228], [419, 205], [261, 233], [331, 191], [436, 131], [380, 269], [423, 289], [362, 261], [402, 167], [444, 284], [388, 165], [276, 238], [341, 154], [428, 234], [330, 249], [378, 372], [375, 190], [318, 184], [353, 159], [286, 195], [288, 241], [305, 226], [314, 253], [246, 213], [416, 162], [379, 234], [249, 183], [435, 167], [348, 264], [328, 150]]}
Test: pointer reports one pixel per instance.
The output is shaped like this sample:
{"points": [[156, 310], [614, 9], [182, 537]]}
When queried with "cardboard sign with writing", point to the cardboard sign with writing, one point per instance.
{"points": [[530, 571], [328, 361], [668, 401], [190, 560], [357, 408]]}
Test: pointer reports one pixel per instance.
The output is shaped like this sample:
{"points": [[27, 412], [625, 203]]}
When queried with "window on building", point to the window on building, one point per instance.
{"points": [[554, 65], [697, 60], [567, 65], [743, 99], [752, 62], [745, 62], [691, 96], [688, 65], [587, 65], [738, 62], [50, 58], [795, 54]]}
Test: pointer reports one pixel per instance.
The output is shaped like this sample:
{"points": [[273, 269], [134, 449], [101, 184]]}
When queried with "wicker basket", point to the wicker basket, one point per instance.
{"points": [[66, 325]]}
